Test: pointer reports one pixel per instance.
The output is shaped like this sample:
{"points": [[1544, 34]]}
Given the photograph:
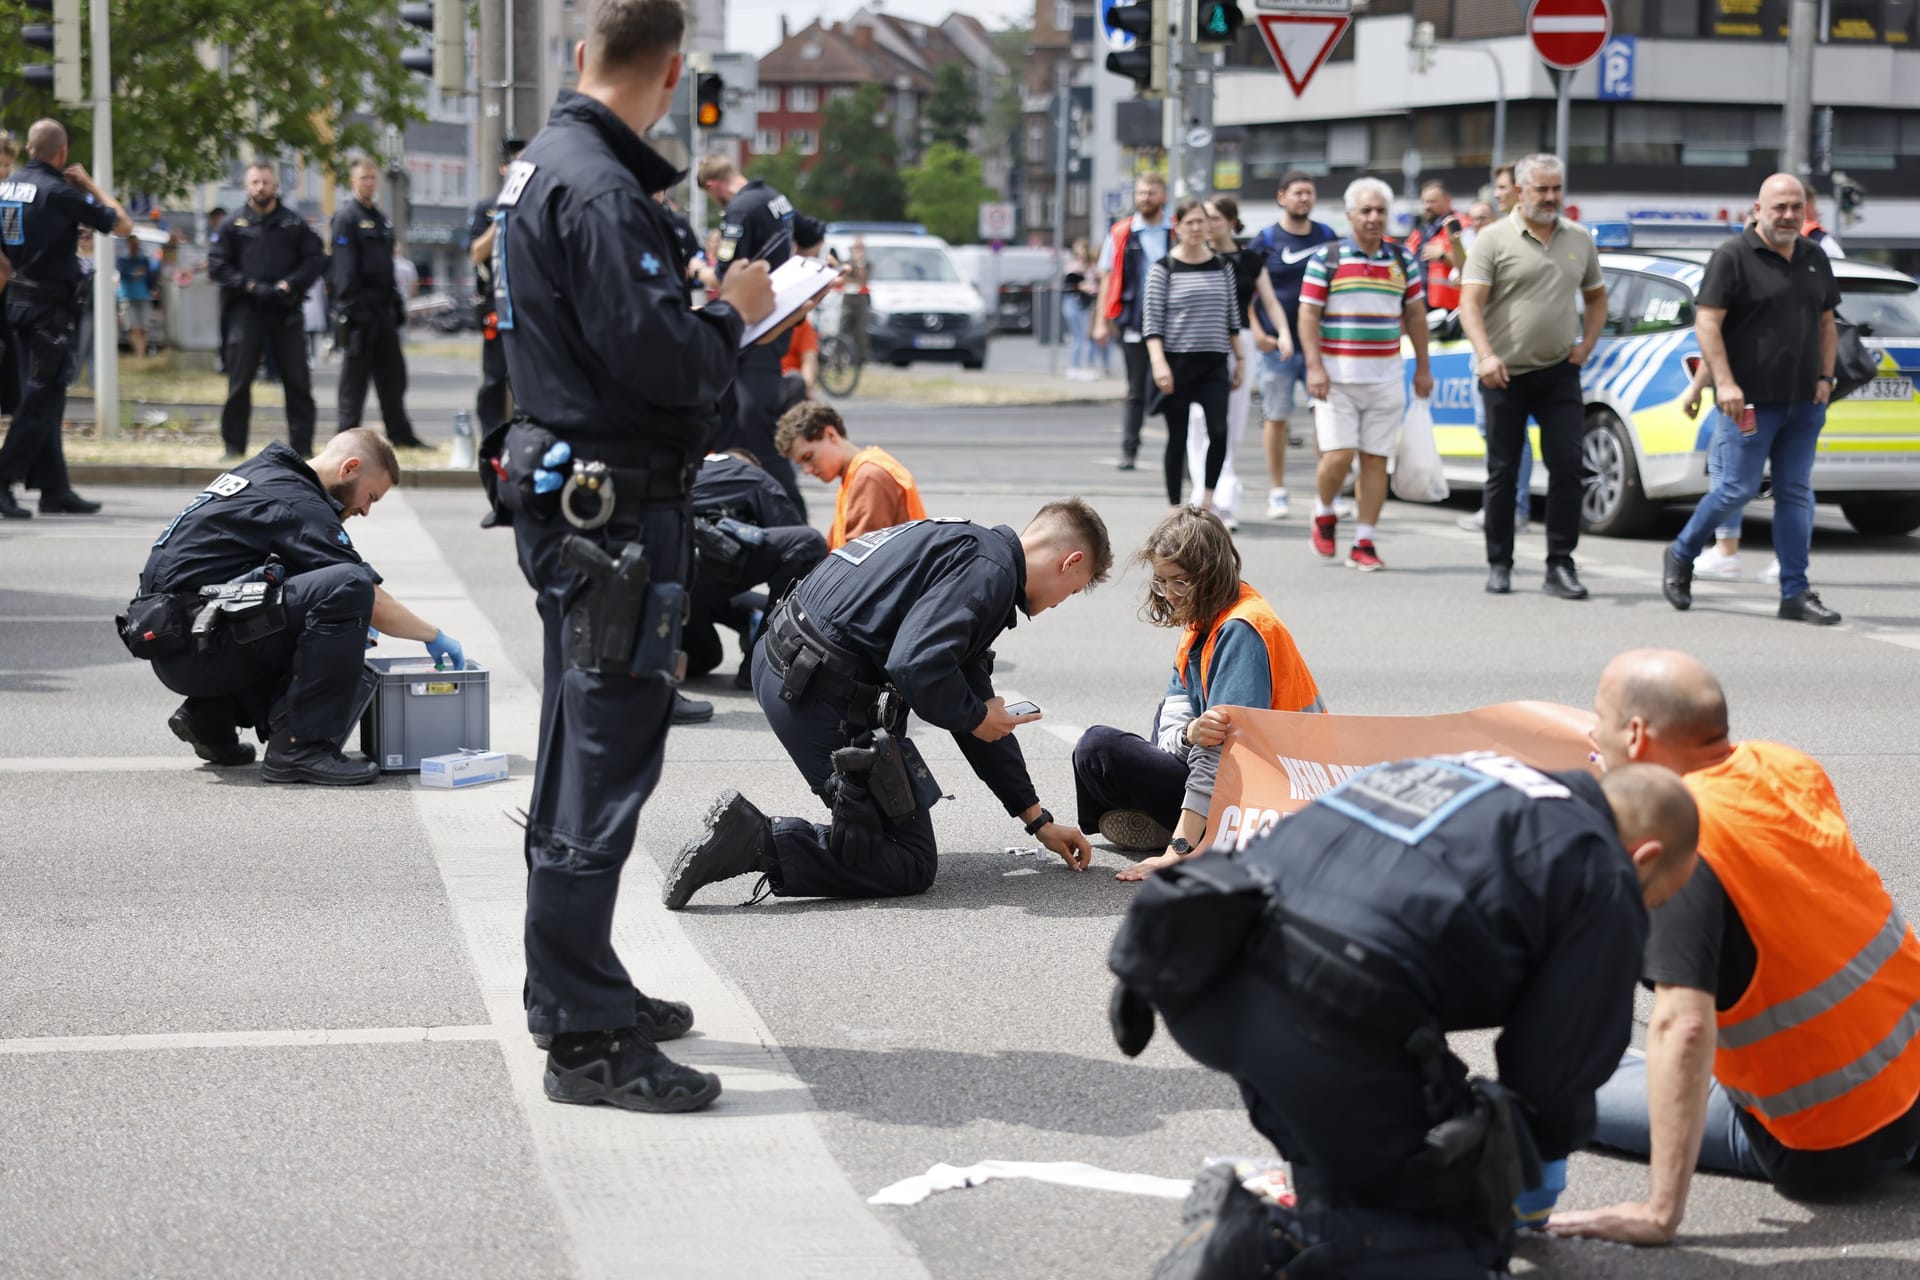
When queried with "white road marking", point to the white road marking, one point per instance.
{"points": [[246, 1039]]}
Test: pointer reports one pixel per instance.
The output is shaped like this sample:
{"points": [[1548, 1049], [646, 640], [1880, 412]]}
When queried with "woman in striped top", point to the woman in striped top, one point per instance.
{"points": [[1192, 328]]}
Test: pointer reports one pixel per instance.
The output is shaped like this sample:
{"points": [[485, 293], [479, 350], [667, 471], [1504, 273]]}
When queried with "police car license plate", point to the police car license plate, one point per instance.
{"points": [[935, 342], [1886, 389]]}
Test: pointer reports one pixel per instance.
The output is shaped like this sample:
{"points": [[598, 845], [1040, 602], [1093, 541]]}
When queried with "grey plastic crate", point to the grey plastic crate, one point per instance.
{"points": [[417, 711]]}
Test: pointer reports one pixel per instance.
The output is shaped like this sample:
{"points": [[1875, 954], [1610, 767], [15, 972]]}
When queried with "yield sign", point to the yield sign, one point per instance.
{"points": [[1300, 42], [1569, 33]]}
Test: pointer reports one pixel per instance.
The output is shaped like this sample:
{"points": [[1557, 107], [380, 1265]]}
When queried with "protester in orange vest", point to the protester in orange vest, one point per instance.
{"points": [[1782, 1043], [1154, 793], [876, 492]]}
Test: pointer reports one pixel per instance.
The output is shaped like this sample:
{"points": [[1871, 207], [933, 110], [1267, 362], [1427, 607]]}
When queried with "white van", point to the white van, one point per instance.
{"points": [[921, 307]]}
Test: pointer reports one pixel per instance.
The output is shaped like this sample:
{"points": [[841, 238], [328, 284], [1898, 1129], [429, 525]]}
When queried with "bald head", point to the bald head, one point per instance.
{"points": [[1660, 706], [1782, 210], [47, 141], [1658, 824]]}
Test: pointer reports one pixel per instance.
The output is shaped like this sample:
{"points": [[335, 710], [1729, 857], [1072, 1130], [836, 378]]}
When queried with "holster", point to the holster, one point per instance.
{"points": [[622, 622], [247, 611], [722, 543], [50, 352], [892, 788]]}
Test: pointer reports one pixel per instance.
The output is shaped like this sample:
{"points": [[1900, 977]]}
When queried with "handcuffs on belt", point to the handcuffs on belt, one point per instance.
{"points": [[595, 481]]}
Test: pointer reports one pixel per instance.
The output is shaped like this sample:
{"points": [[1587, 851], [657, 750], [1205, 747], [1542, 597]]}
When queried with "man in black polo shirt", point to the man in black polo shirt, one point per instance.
{"points": [[1767, 334]]}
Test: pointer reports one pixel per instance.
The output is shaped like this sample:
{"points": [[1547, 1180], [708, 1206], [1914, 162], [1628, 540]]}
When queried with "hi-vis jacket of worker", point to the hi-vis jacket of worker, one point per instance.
{"points": [[1243, 658], [1823, 1048], [876, 492]]}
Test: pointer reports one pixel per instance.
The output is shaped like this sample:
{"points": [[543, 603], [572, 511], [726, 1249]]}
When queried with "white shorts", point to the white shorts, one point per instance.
{"points": [[1361, 415]]}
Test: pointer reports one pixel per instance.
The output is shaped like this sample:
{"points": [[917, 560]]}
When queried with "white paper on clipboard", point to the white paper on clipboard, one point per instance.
{"points": [[796, 282]]}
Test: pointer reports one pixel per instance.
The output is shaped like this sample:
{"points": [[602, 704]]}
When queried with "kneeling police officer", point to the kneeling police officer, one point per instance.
{"points": [[746, 533], [1323, 965], [254, 605], [618, 379], [898, 620]]}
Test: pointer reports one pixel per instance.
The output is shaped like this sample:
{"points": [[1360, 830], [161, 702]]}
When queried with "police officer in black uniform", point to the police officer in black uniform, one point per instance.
{"points": [[265, 259], [490, 405], [370, 309], [759, 225], [1322, 965], [747, 533], [254, 605], [899, 620], [43, 205], [618, 378]]}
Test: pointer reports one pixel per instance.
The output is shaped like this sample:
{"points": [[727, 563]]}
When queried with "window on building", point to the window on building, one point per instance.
{"points": [[768, 99], [1433, 133], [1078, 199], [804, 141], [1680, 19], [453, 177], [1588, 143], [766, 142], [1865, 140], [1387, 140], [840, 93], [1910, 135], [802, 97], [1037, 151], [1063, 15], [1648, 134], [1729, 136], [1039, 204]]}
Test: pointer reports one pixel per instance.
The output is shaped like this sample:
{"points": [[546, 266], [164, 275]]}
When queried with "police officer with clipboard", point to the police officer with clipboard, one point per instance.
{"points": [[616, 378]]}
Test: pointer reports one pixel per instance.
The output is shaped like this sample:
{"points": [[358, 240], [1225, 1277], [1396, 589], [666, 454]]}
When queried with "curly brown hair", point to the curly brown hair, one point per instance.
{"points": [[807, 420], [1197, 542]]}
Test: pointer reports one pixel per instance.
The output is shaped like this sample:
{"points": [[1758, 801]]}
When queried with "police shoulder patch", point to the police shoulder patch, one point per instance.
{"points": [[340, 536], [227, 484], [518, 174]]}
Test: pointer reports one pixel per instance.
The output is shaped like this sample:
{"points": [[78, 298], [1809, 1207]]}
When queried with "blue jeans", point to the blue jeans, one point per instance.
{"points": [[1788, 435], [1523, 487], [1620, 1122], [1720, 451], [1078, 315]]}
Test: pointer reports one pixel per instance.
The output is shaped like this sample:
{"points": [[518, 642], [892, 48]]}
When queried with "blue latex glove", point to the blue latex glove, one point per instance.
{"points": [[1534, 1204], [446, 652], [546, 480]]}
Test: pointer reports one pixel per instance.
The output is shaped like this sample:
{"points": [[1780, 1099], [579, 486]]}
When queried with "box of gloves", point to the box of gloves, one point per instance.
{"points": [[463, 769], [420, 711]]}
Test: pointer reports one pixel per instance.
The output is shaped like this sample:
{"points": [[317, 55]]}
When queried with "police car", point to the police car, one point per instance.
{"points": [[1641, 449]]}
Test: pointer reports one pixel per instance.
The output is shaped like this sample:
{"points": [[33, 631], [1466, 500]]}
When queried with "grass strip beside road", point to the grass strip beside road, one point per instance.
{"points": [[172, 449]]}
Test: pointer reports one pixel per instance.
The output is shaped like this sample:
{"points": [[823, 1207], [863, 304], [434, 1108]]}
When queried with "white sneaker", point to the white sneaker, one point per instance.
{"points": [[1277, 504], [1771, 574], [1714, 563], [1475, 523], [1343, 507]]}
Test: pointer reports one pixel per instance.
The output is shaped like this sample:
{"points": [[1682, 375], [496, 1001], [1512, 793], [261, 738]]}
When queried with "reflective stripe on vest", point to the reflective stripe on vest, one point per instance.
{"points": [[915, 509], [1824, 1045], [1293, 685]]}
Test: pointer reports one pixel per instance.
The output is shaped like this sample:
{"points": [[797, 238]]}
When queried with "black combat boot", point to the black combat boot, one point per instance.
{"points": [[319, 763], [738, 841], [214, 743], [623, 1069], [657, 1020]]}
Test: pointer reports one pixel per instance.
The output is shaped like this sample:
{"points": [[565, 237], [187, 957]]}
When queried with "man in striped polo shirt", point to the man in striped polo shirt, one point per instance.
{"points": [[1358, 296]]}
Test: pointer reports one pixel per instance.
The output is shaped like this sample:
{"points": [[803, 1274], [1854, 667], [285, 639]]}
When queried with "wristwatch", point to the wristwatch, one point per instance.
{"points": [[1033, 828], [1180, 846], [1826, 377]]}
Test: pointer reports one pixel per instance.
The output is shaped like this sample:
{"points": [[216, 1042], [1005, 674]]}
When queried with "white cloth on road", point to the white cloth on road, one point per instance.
{"points": [[1065, 1173]]}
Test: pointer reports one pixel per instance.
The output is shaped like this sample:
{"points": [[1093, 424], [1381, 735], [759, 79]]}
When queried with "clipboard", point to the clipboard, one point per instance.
{"points": [[796, 282]]}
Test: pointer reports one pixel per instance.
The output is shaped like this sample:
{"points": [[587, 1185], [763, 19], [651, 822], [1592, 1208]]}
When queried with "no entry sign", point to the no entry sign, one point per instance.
{"points": [[1569, 33]]}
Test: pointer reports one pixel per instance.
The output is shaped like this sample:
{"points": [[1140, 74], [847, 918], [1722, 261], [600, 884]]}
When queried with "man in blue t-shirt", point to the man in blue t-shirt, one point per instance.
{"points": [[139, 276], [1287, 245]]}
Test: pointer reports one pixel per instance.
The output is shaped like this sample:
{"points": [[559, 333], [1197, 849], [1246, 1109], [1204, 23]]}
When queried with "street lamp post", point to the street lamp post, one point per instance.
{"points": [[1425, 45]]}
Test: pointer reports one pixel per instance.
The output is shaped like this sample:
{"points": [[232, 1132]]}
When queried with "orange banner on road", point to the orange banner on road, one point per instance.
{"points": [[1277, 762]]}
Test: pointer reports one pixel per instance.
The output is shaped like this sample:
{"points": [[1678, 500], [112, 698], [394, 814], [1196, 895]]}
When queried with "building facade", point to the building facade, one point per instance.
{"points": [[1061, 57]]}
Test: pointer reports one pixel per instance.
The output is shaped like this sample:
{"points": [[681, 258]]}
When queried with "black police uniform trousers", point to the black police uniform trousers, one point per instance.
{"points": [[755, 413], [603, 741], [812, 727], [727, 594], [1346, 1116], [1114, 769], [490, 404], [373, 347], [250, 327], [1552, 397], [43, 334], [304, 678]]}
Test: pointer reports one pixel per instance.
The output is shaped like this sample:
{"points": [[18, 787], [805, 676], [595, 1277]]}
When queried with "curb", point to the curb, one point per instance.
{"points": [[158, 476]]}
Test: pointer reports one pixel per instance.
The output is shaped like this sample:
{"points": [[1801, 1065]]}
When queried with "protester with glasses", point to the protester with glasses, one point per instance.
{"points": [[1153, 793]]}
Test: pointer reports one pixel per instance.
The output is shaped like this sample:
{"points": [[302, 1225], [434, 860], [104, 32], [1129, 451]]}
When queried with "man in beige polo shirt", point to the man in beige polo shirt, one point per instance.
{"points": [[1533, 305]]}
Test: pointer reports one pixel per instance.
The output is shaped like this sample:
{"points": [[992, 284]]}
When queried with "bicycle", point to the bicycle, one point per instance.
{"points": [[839, 366]]}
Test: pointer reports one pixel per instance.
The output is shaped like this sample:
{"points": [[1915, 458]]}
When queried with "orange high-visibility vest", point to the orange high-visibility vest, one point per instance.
{"points": [[915, 510], [1293, 685], [1824, 1045]]}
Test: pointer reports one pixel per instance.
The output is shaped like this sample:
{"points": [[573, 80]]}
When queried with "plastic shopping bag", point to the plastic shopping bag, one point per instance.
{"points": [[1417, 473]]}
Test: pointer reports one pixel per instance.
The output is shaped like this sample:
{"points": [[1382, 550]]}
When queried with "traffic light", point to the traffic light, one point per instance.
{"points": [[1849, 197], [61, 38], [708, 90], [1215, 23], [445, 63], [1146, 63]]}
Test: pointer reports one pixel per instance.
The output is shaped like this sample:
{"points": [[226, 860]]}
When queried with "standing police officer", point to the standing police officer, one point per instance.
{"points": [[43, 205], [370, 309], [1323, 965], [617, 377], [759, 225], [898, 620], [254, 605], [264, 259], [490, 405]]}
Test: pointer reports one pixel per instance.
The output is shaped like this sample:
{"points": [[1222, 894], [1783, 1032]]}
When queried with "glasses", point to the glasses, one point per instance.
{"points": [[1170, 587]]}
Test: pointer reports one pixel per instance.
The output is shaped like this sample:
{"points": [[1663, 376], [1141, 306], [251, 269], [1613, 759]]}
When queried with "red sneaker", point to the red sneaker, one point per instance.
{"points": [[1364, 558], [1323, 527]]}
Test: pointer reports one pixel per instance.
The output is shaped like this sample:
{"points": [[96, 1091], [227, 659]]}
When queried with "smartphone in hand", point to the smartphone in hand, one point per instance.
{"points": [[1023, 708]]}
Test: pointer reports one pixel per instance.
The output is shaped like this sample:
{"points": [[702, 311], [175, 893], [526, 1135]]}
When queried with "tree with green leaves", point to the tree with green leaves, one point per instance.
{"points": [[1005, 128], [856, 175], [946, 193], [198, 83], [954, 109]]}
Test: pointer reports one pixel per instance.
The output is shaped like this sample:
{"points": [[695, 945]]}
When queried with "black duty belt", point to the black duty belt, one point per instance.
{"points": [[34, 291], [806, 661], [647, 475]]}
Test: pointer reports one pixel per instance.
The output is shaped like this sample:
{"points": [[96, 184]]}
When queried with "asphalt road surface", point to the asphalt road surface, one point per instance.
{"points": [[248, 1030]]}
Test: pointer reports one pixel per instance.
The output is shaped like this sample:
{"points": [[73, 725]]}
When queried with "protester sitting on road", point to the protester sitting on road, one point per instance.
{"points": [[876, 491], [1323, 965], [288, 664], [1782, 1043], [1192, 328], [1154, 793], [899, 621]]}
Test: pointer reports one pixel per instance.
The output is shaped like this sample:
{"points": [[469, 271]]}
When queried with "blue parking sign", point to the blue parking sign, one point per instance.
{"points": [[1616, 69], [1117, 40]]}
